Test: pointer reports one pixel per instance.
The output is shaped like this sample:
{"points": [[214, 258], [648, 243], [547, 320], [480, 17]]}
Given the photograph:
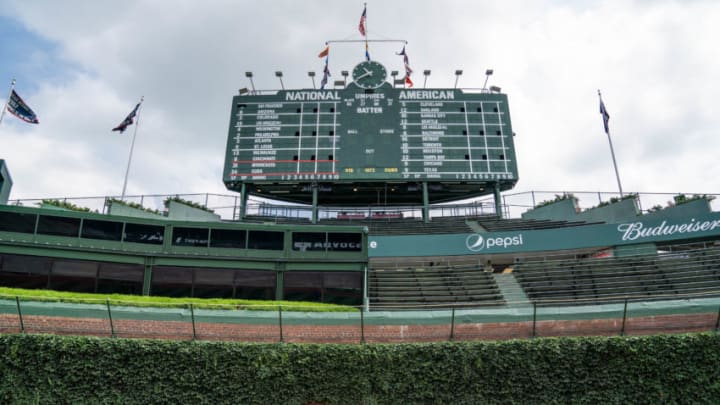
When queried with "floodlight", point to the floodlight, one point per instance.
{"points": [[279, 75], [488, 73], [457, 76]]}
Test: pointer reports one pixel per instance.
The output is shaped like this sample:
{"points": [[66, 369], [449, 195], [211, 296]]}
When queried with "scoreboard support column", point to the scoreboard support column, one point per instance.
{"points": [[426, 203], [243, 202], [315, 204], [498, 201]]}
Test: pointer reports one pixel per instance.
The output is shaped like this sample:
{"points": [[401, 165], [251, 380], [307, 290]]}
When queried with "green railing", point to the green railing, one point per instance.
{"points": [[113, 319]]}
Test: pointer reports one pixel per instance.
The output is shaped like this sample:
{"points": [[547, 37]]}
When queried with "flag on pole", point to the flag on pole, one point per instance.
{"points": [[605, 115], [325, 52], [326, 74], [17, 107], [128, 120], [408, 70], [363, 18]]}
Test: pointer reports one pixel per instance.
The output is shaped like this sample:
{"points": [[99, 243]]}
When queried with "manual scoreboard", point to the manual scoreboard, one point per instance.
{"points": [[380, 134]]}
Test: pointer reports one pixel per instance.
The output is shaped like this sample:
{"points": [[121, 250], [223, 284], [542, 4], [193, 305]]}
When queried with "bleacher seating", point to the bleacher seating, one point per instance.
{"points": [[516, 224], [580, 281], [432, 287], [398, 225], [406, 226]]}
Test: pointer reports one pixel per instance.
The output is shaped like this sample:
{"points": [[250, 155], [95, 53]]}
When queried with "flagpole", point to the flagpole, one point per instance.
{"points": [[12, 87], [132, 147], [612, 153], [367, 51]]}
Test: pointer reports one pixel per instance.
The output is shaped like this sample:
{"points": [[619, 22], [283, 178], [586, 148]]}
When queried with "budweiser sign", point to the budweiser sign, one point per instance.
{"points": [[637, 230]]}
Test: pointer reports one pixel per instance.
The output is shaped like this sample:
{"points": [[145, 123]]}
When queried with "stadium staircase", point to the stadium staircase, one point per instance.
{"points": [[579, 281], [432, 287], [511, 290]]}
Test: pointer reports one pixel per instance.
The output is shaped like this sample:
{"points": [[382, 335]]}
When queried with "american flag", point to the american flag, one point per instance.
{"points": [[408, 70], [361, 26], [128, 120], [326, 73], [605, 115], [17, 107]]}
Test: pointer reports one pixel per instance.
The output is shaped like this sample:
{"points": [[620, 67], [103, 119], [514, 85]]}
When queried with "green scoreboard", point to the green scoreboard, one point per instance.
{"points": [[369, 136]]}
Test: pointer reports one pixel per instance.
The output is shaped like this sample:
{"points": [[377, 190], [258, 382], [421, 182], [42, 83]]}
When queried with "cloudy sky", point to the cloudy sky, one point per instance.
{"points": [[82, 66]]}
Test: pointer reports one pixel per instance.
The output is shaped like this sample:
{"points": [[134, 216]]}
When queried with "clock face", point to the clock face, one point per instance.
{"points": [[369, 75]]}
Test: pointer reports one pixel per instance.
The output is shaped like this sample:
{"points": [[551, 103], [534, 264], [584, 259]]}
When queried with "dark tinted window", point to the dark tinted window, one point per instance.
{"points": [[26, 264], [120, 278], [266, 240], [59, 226], [172, 281], [74, 268], [121, 272], [190, 237], [16, 222], [139, 233], [227, 238], [24, 271], [335, 287], [308, 241], [104, 230]]}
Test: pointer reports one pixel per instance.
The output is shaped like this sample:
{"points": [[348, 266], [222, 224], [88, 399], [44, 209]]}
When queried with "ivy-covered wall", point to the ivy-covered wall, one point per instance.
{"points": [[656, 369]]}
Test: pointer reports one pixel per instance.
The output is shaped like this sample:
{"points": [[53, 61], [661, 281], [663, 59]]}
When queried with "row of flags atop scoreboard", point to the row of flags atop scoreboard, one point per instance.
{"points": [[16, 106], [362, 27]]}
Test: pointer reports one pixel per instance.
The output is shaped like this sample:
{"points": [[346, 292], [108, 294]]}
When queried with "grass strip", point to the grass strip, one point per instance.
{"points": [[169, 302]]}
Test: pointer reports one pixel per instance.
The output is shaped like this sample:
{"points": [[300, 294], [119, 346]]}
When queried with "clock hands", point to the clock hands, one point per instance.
{"points": [[367, 73]]}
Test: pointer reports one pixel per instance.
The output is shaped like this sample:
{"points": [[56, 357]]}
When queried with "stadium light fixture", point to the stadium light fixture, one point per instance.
{"points": [[312, 76], [495, 89], [243, 90], [394, 74], [457, 76], [279, 75], [339, 83], [488, 73], [249, 75], [344, 74], [426, 72]]}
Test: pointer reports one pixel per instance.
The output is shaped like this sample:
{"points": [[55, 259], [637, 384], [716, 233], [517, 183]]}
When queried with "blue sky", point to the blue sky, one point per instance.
{"points": [[29, 58], [82, 66]]}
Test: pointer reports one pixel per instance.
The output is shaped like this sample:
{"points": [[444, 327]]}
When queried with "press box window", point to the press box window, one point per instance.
{"points": [[148, 234], [102, 230], [265, 240], [196, 237], [344, 242], [58, 226], [228, 238], [17, 222], [308, 241]]}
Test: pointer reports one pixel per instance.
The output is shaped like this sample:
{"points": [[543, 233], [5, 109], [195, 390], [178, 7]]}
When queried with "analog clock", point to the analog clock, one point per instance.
{"points": [[369, 75]]}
